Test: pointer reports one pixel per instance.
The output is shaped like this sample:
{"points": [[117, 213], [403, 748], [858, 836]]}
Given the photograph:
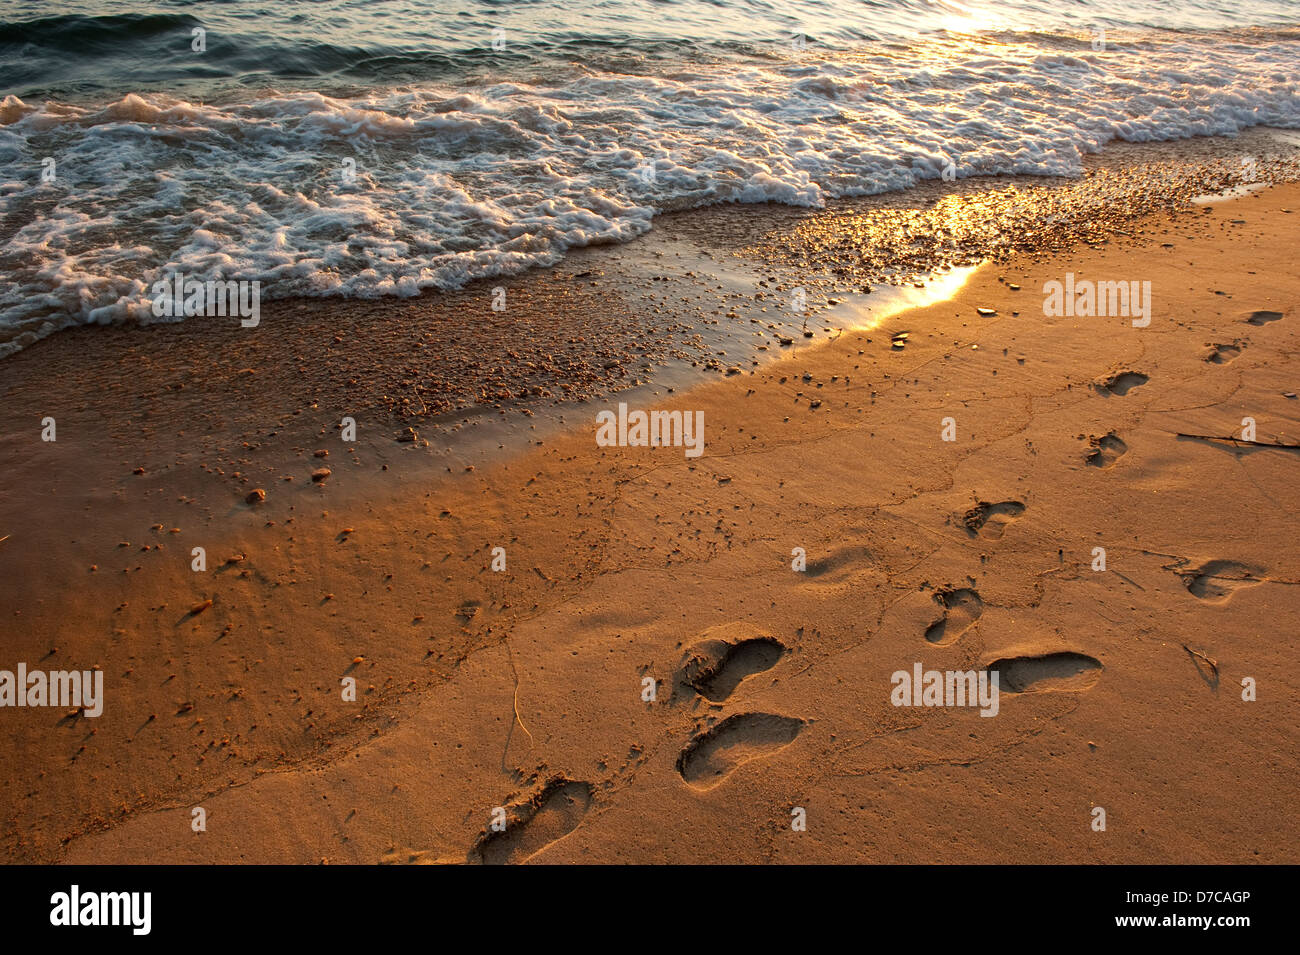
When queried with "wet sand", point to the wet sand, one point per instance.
{"points": [[523, 689]]}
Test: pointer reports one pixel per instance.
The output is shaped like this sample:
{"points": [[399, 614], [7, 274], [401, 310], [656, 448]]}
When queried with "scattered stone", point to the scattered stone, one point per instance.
{"points": [[319, 475], [255, 496]]}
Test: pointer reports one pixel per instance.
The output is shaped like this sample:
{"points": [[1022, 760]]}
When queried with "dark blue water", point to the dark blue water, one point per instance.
{"points": [[118, 46]]}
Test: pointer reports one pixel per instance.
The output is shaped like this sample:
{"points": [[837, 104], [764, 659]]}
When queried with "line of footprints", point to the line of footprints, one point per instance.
{"points": [[710, 670], [713, 669]]}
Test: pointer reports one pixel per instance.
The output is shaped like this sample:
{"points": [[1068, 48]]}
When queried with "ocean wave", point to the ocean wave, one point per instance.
{"points": [[83, 34]]}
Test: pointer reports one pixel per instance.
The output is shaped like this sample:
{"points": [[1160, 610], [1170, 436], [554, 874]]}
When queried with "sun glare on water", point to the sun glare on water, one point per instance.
{"points": [[968, 18]]}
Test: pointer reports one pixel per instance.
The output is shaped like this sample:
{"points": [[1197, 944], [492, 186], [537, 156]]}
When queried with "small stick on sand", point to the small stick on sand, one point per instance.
{"points": [[1255, 444], [515, 700], [1214, 666]]}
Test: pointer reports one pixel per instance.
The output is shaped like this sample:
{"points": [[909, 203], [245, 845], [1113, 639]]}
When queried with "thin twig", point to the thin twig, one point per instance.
{"points": [[1255, 444], [1214, 666], [515, 701]]}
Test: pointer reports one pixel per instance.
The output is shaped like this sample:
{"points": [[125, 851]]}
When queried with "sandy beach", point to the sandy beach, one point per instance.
{"points": [[634, 655]]}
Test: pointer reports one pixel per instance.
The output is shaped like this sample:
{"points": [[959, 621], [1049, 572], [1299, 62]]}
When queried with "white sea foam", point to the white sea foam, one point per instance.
{"points": [[455, 184]]}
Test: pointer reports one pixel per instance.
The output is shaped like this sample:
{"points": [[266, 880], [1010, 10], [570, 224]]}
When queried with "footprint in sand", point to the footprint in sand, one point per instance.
{"points": [[1121, 383], [1053, 671], [852, 558], [714, 668], [1105, 451], [717, 752], [1222, 354], [547, 816], [1217, 580], [990, 520], [961, 608], [1262, 317]]}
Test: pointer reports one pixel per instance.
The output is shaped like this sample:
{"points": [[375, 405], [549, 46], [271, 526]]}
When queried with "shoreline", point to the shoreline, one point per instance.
{"points": [[898, 238], [521, 688]]}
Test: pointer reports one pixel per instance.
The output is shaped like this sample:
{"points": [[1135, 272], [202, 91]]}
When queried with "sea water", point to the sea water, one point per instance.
{"points": [[363, 148]]}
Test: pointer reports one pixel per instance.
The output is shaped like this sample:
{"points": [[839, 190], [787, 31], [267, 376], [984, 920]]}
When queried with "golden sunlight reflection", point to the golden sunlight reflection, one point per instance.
{"points": [[863, 312], [967, 18]]}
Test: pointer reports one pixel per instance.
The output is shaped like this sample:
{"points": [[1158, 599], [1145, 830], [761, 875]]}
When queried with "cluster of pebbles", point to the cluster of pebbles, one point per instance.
{"points": [[899, 239]]}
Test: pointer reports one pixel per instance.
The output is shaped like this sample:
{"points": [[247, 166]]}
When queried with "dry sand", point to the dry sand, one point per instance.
{"points": [[523, 689]]}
